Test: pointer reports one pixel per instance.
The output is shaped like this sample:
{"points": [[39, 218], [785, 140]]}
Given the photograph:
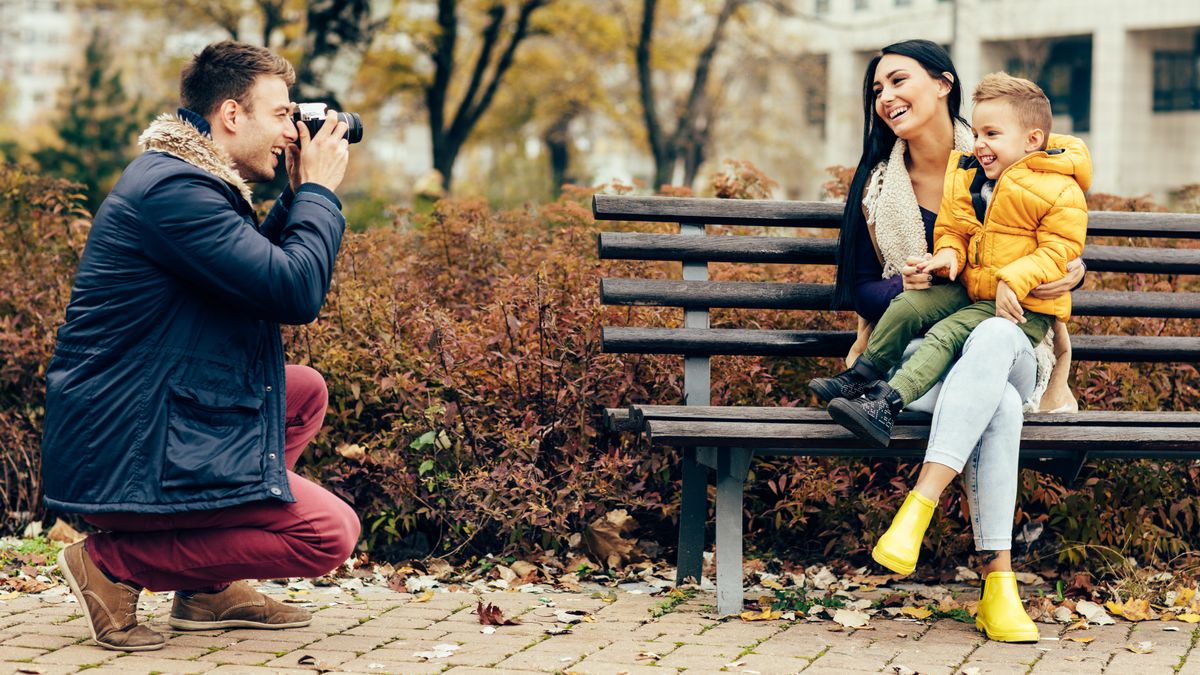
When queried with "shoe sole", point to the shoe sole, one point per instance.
{"points": [[891, 563], [1011, 637], [188, 624], [66, 572], [846, 414], [823, 389]]}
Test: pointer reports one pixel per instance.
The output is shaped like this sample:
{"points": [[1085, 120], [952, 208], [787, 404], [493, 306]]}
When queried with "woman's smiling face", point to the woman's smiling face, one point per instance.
{"points": [[906, 95]]}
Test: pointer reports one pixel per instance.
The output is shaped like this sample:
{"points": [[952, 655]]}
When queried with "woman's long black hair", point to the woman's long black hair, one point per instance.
{"points": [[878, 140]]}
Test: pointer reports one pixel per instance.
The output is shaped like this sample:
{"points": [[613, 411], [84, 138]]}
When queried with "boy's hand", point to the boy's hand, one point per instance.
{"points": [[943, 259], [1007, 304]]}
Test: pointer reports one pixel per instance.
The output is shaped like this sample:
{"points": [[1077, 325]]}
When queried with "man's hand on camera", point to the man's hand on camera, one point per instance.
{"points": [[322, 158]]}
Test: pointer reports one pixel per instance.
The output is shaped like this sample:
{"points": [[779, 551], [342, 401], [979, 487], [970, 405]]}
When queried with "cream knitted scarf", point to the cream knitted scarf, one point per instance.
{"points": [[891, 207]]}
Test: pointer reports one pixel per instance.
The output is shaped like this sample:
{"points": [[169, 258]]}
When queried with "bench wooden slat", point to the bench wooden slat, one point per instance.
{"points": [[775, 213], [1142, 259], [776, 295], [639, 414], [740, 248], [621, 419], [746, 342], [821, 251], [1171, 440]]}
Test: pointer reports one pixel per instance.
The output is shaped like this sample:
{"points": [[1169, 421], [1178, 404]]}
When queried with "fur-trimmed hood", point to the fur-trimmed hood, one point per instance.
{"points": [[175, 136]]}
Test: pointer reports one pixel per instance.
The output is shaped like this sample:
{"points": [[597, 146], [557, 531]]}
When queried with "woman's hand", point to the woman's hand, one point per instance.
{"points": [[912, 278], [1053, 289], [860, 342]]}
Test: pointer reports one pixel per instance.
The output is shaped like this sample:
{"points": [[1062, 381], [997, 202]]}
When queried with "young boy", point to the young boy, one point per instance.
{"points": [[1012, 216]]}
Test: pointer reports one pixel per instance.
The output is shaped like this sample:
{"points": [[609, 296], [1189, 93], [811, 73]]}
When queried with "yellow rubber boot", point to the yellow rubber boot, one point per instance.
{"points": [[898, 548], [1001, 614]]}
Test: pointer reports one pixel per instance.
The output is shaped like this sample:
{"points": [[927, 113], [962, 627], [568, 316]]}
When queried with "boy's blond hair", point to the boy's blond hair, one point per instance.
{"points": [[1027, 99]]}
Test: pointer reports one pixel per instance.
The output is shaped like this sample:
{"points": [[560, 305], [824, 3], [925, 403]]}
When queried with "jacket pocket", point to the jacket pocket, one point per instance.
{"points": [[214, 439]]}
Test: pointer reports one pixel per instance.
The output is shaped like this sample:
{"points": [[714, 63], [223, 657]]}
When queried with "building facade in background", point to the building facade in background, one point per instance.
{"points": [[1124, 75], [41, 44]]}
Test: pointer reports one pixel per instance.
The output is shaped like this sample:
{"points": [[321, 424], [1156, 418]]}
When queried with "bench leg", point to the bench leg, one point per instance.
{"points": [[693, 516], [732, 465]]}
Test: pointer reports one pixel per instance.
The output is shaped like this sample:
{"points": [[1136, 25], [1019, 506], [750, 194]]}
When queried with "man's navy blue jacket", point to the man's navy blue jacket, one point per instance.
{"points": [[166, 389]]}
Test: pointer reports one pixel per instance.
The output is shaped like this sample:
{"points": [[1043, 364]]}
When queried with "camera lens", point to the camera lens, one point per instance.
{"points": [[354, 126], [312, 115]]}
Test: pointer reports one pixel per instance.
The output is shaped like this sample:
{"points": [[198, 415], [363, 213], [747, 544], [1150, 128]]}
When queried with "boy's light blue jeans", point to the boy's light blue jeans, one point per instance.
{"points": [[976, 426]]}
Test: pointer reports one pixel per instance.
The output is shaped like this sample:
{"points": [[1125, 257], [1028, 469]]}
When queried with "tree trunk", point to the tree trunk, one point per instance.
{"points": [[558, 147]]}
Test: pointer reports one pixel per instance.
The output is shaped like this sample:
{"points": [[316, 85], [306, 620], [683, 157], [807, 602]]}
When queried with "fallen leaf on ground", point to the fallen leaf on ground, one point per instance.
{"points": [[851, 618], [1063, 615], [917, 612], [62, 532], [1083, 640], [1189, 617], [491, 615], [1093, 613], [965, 574], [352, 451], [767, 614], [902, 670], [1143, 647], [424, 597], [1134, 609], [1183, 596], [571, 615], [605, 538], [438, 652], [487, 630], [649, 656]]}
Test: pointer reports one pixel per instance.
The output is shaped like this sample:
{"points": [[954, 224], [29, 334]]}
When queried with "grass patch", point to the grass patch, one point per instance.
{"points": [[675, 598]]}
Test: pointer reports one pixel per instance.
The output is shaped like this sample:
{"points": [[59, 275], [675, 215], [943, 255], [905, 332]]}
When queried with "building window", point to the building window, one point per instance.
{"points": [[860, 5], [1176, 83], [816, 76], [1065, 74]]}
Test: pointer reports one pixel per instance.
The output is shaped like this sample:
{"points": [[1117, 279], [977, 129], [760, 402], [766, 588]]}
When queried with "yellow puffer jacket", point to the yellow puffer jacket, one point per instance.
{"points": [[1035, 225]]}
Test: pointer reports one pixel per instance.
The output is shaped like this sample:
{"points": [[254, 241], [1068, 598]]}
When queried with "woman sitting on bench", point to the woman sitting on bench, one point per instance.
{"points": [[911, 100]]}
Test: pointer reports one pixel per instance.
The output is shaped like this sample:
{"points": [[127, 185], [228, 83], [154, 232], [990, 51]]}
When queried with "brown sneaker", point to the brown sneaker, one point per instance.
{"points": [[238, 606], [110, 608]]}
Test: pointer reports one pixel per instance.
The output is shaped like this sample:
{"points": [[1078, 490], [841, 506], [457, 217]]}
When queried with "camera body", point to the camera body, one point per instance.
{"points": [[312, 115]]}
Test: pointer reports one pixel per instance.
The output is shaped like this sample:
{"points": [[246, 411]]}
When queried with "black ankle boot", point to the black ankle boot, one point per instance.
{"points": [[847, 384], [870, 416]]}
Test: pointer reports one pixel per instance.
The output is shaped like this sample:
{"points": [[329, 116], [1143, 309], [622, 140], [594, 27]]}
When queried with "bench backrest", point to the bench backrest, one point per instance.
{"points": [[696, 295]]}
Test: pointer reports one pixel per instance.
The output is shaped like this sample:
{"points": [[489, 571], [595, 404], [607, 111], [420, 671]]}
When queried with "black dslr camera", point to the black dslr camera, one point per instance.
{"points": [[312, 115]]}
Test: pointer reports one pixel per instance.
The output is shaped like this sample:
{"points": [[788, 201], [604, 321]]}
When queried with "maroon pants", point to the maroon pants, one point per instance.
{"points": [[200, 550]]}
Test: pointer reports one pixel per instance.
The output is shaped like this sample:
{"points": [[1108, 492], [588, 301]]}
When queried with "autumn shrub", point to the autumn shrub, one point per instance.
{"points": [[42, 228], [462, 352]]}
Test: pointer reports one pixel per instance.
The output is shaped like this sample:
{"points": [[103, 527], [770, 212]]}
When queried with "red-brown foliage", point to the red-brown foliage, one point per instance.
{"points": [[463, 358]]}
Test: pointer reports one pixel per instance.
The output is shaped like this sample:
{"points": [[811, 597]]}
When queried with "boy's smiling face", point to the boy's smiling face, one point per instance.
{"points": [[1000, 139]]}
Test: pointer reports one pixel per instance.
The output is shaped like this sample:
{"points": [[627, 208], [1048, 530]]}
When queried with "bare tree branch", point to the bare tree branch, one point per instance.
{"points": [[490, 34], [506, 59], [646, 82]]}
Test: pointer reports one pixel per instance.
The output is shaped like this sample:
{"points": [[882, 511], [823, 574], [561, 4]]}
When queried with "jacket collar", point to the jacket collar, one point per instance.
{"points": [[186, 136]]}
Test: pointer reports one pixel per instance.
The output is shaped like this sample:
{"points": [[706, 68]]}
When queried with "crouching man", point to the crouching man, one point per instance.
{"points": [[172, 422]]}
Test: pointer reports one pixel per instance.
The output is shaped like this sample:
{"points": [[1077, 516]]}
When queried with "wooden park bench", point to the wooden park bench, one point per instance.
{"points": [[725, 438]]}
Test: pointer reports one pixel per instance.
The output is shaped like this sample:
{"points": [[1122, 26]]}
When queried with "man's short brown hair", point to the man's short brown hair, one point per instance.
{"points": [[227, 70], [1027, 99]]}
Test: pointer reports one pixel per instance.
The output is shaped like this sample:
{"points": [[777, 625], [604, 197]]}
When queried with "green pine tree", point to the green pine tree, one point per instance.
{"points": [[98, 127]]}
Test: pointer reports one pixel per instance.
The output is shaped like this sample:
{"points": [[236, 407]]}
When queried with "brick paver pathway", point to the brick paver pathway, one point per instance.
{"points": [[376, 630]]}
